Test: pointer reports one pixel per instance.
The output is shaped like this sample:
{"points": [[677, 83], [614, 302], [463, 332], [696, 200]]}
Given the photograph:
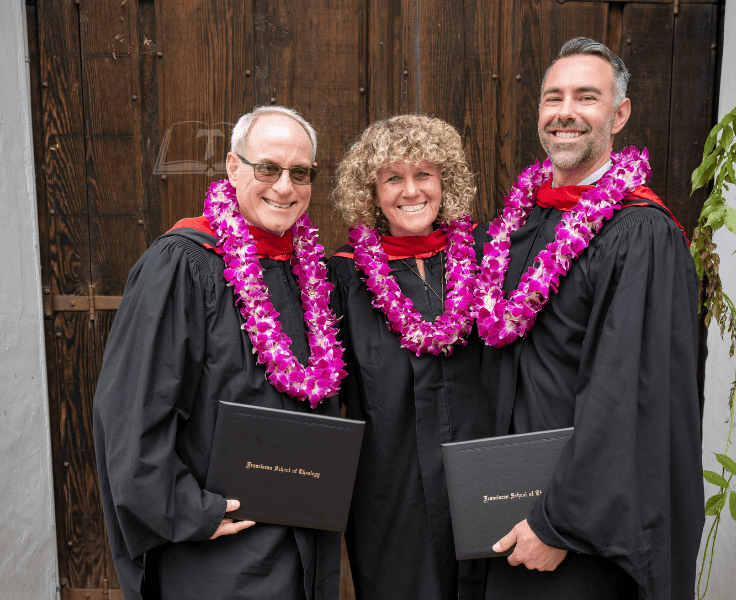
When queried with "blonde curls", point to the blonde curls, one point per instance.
{"points": [[411, 138]]}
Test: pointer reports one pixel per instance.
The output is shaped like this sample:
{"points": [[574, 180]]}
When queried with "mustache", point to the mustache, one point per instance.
{"points": [[575, 125]]}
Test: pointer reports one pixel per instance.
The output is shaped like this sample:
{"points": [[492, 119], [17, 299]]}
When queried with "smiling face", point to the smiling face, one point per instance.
{"points": [[409, 197], [577, 119], [279, 140]]}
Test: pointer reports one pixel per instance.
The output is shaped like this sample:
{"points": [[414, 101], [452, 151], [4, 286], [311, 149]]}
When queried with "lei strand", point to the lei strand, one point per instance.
{"points": [[321, 378], [418, 335], [500, 320]]}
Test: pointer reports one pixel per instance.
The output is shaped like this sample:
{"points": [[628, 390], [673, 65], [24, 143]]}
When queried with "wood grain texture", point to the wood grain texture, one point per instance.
{"points": [[691, 107], [116, 245], [146, 114], [294, 59], [647, 53], [207, 47]]}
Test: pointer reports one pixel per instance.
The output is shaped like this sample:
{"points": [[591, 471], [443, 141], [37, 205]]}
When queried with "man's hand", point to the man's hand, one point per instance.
{"points": [[227, 527], [530, 551]]}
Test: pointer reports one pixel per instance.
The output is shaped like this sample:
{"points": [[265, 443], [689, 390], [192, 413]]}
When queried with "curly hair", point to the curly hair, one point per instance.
{"points": [[412, 138]]}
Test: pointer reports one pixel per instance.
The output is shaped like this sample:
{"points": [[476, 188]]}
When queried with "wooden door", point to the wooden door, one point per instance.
{"points": [[133, 101]]}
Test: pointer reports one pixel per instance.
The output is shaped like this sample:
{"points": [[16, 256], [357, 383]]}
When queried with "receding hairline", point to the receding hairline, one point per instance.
{"points": [[281, 116]]}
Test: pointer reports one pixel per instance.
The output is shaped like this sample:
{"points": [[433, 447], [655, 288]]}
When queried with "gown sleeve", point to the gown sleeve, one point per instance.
{"points": [[628, 485], [148, 384]]}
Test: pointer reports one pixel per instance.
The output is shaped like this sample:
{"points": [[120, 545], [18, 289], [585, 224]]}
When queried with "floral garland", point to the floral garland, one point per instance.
{"points": [[500, 320], [418, 335], [324, 371]]}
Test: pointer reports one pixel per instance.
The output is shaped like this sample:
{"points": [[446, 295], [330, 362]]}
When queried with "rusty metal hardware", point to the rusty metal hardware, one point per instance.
{"points": [[103, 593], [90, 303]]}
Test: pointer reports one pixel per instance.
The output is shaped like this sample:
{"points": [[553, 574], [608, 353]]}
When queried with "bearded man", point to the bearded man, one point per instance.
{"points": [[191, 332], [612, 353]]}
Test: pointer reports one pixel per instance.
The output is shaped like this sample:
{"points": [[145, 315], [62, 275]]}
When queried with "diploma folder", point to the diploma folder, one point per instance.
{"points": [[493, 484], [289, 468]]}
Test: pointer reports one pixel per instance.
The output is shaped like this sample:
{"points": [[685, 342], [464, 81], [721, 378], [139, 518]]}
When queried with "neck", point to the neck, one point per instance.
{"points": [[574, 175]]}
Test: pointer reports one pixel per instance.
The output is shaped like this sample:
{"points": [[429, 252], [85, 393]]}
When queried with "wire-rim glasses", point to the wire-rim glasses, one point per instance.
{"points": [[271, 173]]}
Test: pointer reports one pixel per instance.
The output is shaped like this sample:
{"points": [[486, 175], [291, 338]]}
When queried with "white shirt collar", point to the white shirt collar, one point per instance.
{"points": [[594, 177]]}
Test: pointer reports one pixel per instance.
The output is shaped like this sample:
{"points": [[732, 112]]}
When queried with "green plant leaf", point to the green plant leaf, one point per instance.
{"points": [[715, 479], [726, 138], [703, 173], [727, 461], [712, 138], [714, 504], [730, 222], [732, 504]]}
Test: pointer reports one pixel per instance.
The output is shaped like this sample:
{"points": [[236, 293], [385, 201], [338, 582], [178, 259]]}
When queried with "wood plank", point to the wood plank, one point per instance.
{"points": [[105, 28], [299, 62], [112, 177], [207, 50], [380, 59], [438, 41], [505, 166], [691, 107], [116, 245], [107, 96], [146, 116], [647, 53], [482, 56], [80, 529]]}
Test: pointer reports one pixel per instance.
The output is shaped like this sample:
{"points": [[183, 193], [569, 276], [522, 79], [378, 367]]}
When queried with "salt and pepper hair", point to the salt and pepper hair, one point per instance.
{"points": [[582, 46], [239, 137]]}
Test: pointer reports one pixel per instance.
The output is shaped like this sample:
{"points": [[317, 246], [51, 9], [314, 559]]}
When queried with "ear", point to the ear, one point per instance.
{"points": [[232, 164], [623, 112]]}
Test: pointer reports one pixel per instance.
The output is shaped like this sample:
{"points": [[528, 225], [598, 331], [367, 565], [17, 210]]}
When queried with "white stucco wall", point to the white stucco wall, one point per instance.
{"points": [[28, 565], [720, 370]]}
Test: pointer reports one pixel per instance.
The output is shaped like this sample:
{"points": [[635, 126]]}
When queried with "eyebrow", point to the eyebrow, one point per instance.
{"points": [[275, 162], [579, 90]]}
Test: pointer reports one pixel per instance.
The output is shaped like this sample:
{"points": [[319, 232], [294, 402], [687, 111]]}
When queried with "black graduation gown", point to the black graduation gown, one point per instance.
{"points": [[399, 534], [174, 351], [614, 354]]}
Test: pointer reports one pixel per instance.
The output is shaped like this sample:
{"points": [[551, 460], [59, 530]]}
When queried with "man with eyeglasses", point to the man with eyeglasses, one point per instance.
{"points": [[176, 349]]}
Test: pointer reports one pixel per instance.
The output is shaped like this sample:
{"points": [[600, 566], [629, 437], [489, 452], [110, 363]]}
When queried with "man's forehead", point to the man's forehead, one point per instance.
{"points": [[273, 130], [581, 73]]}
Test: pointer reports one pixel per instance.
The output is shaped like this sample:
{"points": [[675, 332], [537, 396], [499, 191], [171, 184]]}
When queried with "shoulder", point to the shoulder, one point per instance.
{"points": [[180, 253], [641, 219], [341, 265]]}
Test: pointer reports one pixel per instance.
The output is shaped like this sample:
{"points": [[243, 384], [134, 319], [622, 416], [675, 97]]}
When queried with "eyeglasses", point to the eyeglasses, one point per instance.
{"points": [[271, 173]]}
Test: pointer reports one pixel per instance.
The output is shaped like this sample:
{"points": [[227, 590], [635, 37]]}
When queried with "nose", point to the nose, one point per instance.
{"points": [[284, 184], [410, 187], [566, 110]]}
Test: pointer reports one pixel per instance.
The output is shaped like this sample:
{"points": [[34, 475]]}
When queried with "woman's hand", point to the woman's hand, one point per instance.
{"points": [[227, 527]]}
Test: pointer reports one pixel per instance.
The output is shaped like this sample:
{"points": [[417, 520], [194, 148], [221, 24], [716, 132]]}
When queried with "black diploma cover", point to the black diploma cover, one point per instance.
{"points": [[493, 484], [285, 467]]}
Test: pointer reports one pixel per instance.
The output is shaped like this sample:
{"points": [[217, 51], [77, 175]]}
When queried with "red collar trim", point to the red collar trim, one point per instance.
{"points": [[410, 246], [268, 245], [567, 196]]}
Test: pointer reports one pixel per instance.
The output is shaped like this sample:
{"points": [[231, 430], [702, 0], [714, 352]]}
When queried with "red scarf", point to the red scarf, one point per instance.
{"points": [[567, 196], [416, 246], [268, 245]]}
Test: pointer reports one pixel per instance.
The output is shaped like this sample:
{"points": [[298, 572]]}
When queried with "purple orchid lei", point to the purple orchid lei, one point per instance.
{"points": [[418, 335], [500, 320], [325, 369]]}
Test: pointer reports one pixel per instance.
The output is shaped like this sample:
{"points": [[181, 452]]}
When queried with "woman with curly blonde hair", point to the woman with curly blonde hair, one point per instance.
{"points": [[403, 287]]}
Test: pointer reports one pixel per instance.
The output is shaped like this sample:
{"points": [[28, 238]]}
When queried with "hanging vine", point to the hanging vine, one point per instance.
{"points": [[719, 160]]}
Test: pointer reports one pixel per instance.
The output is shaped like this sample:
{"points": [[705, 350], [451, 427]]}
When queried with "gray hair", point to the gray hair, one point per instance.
{"points": [[582, 46], [239, 136]]}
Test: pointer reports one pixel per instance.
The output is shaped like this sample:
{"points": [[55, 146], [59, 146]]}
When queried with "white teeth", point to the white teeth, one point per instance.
{"points": [[567, 134], [276, 204], [414, 208]]}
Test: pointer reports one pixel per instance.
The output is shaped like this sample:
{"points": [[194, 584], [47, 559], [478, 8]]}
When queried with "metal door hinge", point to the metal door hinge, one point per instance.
{"points": [[67, 593], [89, 303]]}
